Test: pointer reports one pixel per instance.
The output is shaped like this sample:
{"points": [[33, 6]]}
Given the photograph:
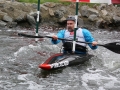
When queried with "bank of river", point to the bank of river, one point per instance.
{"points": [[13, 14]]}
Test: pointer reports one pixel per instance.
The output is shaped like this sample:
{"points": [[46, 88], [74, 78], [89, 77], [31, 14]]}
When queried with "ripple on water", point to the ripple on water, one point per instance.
{"points": [[99, 80], [20, 58]]}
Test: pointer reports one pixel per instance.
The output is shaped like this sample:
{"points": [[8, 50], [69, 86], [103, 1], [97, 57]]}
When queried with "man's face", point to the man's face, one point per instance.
{"points": [[70, 25]]}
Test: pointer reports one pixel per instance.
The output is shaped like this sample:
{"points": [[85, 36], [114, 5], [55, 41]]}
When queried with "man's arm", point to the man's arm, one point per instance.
{"points": [[60, 34], [89, 38]]}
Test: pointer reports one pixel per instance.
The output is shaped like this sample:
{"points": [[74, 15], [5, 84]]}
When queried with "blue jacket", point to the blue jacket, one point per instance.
{"points": [[87, 35]]}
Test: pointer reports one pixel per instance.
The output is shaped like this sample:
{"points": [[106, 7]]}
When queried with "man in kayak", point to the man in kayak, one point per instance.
{"points": [[81, 35]]}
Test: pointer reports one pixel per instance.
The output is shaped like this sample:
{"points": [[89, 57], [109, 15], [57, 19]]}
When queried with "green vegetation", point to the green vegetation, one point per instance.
{"points": [[41, 1], [29, 1]]}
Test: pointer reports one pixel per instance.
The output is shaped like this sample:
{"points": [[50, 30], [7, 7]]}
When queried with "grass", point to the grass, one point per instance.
{"points": [[41, 1]]}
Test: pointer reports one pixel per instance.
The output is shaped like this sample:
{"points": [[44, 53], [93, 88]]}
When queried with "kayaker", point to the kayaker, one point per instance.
{"points": [[81, 35]]}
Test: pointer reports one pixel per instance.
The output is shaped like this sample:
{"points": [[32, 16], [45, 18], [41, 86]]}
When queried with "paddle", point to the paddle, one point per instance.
{"points": [[114, 46]]}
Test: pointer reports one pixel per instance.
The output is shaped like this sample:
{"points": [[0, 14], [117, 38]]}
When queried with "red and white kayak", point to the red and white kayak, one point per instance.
{"points": [[60, 60]]}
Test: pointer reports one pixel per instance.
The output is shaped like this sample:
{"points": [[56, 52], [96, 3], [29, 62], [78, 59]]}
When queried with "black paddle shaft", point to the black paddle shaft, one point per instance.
{"points": [[114, 46]]}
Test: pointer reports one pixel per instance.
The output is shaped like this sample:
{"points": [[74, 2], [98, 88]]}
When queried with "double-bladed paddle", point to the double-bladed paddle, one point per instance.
{"points": [[114, 46]]}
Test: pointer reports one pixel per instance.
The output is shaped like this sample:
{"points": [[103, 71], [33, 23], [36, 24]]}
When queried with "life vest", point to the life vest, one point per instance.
{"points": [[79, 37]]}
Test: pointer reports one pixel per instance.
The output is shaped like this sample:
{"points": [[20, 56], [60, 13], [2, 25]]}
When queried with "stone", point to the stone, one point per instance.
{"points": [[101, 7], [104, 12], [2, 24], [62, 19], [2, 14], [116, 19], [58, 14], [11, 24], [84, 11], [7, 18], [20, 17], [49, 4], [92, 11], [93, 17], [98, 22], [31, 20], [42, 7], [51, 12], [63, 9]]}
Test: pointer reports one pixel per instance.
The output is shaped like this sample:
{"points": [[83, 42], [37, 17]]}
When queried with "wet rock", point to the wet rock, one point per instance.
{"points": [[51, 12], [7, 18], [84, 11], [34, 14], [92, 11], [42, 7], [58, 14], [49, 4], [11, 24], [116, 19], [99, 22], [2, 3], [2, 23], [63, 9], [93, 17], [62, 19], [101, 7], [2, 14], [21, 17], [35, 6], [31, 20], [108, 19], [104, 12], [118, 11]]}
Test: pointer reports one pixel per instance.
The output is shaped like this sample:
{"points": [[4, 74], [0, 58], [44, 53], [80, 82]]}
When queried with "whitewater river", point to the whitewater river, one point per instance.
{"points": [[20, 58]]}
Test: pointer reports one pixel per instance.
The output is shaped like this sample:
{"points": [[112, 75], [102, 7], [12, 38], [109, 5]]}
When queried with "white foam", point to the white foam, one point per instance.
{"points": [[101, 88], [26, 50], [19, 51], [32, 85], [94, 71], [96, 77], [23, 77], [100, 80]]}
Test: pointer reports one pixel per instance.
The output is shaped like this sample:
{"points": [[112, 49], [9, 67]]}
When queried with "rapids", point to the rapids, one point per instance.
{"points": [[20, 57]]}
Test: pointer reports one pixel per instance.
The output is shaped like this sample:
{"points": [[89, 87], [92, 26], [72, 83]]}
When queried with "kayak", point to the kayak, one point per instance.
{"points": [[60, 60]]}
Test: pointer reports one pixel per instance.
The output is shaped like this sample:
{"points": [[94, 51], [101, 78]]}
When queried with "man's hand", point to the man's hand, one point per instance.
{"points": [[54, 37], [94, 43]]}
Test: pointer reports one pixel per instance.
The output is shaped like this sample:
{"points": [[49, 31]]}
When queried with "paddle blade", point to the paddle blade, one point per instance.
{"points": [[29, 36], [115, 47]]}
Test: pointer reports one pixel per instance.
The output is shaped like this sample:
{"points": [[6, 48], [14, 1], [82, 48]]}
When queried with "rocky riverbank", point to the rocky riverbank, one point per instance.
{"points": [[13, 14]]}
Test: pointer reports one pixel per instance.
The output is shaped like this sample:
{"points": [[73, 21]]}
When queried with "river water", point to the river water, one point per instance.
{"points": [[20, 58]]}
